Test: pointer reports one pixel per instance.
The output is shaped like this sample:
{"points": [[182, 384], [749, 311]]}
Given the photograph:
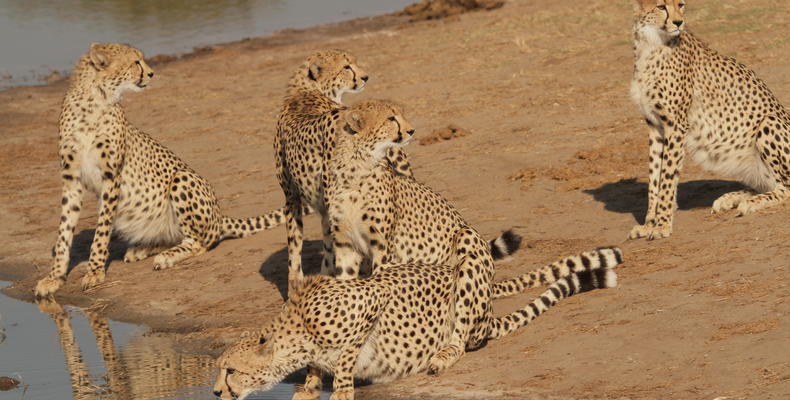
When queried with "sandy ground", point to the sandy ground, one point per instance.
{"points": [[556, 149]]}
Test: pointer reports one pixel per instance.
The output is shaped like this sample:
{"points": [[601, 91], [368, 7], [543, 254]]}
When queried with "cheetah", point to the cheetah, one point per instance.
{"points": [[381, 216], [394, 219], [388, 325], [696, 100], [147, 195], [304, 143]]}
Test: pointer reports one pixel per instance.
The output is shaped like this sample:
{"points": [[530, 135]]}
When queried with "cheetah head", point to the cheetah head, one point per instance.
{"points": [[660, 20], [257, 363], [376, 126], [331, 72], [117, 68]]}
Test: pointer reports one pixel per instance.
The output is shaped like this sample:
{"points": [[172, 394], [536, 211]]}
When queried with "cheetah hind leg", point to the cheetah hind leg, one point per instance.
{"points": [[137, 253], [773, 143], [764, 200]]}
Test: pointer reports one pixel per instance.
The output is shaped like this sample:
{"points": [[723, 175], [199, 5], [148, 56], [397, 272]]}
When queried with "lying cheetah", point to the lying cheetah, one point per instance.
{"points": [[695, 99], [386, 326], [379, 215], [147, 195], [305, 141]]}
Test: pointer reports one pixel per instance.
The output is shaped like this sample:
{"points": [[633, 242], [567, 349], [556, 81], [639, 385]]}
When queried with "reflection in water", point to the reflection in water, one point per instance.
{"points": [[146, 368]]}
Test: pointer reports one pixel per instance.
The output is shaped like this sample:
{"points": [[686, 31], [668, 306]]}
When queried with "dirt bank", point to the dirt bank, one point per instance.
{"points": [[555, 149]]}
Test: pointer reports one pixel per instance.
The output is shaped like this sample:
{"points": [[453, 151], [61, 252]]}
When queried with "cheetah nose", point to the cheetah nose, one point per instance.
{"points": [[365, 78], [217, 393], [150, 74], [410, 132], [678, 23]]}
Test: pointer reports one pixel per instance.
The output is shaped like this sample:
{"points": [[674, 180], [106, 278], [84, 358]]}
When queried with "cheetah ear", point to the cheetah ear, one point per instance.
{"points": [[644, 5], [313, 71], [354, 122], [99, 58]]}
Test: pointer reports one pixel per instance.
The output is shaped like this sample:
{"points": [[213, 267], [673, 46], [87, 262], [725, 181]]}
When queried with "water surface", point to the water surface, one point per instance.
{"points": [[41, 36], [65, 352]]}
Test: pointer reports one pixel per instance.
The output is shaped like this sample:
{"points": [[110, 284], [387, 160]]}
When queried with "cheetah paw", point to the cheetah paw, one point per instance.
{"points": [[441, 361], [728, 201], [342, 394], [306, 394], [93, 278], [133, 254], [650, 232], [47, 286], [49, 306], [161, 262]]}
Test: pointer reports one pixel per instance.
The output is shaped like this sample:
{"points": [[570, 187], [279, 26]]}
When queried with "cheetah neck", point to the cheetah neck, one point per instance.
{"points": [[84, 82], [83, 107], [353, 163], [300, 83], [650, 39]]}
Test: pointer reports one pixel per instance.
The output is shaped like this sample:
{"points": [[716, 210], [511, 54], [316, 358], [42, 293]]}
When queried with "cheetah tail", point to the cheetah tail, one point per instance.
{"points": [[565, 287], [243, 227], [504, 245], [603, 257]]}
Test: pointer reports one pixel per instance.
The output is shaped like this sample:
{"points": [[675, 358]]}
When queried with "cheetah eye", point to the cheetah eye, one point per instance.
{"points": [[230, 371], [137, 62], [391, 118], [347, 67], [661, 7], [681, 5]]}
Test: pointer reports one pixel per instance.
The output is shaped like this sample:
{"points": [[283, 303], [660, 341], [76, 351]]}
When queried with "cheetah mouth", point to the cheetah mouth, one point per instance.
{"points": [[141, 85]]}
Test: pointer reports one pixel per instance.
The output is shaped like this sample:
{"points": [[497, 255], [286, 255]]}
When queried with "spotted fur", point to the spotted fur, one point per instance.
{"points": [[305, 141], [392, 324], [696, 100], [380, 216], [147, 195]]}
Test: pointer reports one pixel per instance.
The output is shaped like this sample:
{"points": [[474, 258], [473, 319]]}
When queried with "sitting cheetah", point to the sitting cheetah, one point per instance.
{"points": [[305, 141], [147, 195], [381, 216], [695, 99], [386, 326]]}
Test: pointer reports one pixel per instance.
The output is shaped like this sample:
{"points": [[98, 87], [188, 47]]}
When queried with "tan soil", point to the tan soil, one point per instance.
{"points": [[558, 151]]}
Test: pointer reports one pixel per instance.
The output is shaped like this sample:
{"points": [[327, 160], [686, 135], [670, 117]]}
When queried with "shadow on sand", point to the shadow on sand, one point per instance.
{"points": [[81, 248], [629, 196], [275, 268]]}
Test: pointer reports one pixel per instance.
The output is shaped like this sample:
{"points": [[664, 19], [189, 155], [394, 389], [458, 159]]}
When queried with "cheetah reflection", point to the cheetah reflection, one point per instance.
{"points": [[148, 367]]}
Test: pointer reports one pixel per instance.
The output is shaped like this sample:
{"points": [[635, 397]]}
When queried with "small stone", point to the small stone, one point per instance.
{"points": [[7, 383]]}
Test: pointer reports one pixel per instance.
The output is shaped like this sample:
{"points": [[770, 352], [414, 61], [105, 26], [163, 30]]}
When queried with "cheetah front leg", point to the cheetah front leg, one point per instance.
{"points": [[295, 229], [348, 258], [108, 207], [116, 374], [343, 384], [70, 206], [328, 260], [666, 160], [311, 390]]}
